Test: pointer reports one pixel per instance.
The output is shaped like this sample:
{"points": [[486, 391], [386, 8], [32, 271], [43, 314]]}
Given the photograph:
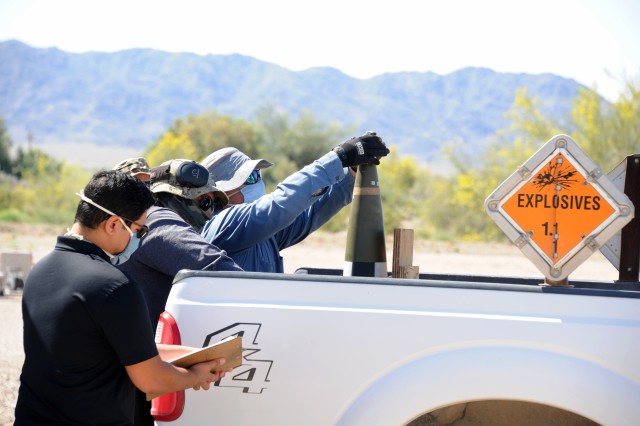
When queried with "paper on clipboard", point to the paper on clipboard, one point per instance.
{"points": [[230, 349]]}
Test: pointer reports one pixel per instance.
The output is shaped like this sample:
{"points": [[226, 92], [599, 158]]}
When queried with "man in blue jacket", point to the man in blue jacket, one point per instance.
{"points": [[255, 227]]}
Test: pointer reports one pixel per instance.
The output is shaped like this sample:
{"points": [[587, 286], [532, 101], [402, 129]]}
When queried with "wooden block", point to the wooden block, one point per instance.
{"points": [[403, 254]]}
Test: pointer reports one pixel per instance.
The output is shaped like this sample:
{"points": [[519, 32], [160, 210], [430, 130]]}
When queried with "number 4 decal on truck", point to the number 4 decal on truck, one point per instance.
{"points": [[253, 375]]}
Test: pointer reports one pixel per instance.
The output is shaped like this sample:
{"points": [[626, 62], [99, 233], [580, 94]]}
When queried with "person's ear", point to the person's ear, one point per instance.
{"points": [[110, 225]]}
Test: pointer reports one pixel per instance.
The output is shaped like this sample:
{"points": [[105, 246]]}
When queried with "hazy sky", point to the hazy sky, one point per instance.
{"points": [[595, 42]]}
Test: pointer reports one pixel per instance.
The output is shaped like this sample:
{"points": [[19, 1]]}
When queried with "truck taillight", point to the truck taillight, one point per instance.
{"points": [[168, 407]]}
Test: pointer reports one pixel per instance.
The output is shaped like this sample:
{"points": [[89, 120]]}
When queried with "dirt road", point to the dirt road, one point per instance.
{"points": [[11, 356]]}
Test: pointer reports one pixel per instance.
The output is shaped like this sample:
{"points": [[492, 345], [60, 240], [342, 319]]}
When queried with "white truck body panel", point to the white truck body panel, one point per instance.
{"points": [[333, 350]]}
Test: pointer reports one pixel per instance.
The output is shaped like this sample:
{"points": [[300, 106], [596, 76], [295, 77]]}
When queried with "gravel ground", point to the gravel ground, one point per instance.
{"points": [[11, 357]]}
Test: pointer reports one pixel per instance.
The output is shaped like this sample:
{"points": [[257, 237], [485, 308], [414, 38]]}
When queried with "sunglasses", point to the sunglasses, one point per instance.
{"points": [[205, 202], [142, 229], [254, 177]]}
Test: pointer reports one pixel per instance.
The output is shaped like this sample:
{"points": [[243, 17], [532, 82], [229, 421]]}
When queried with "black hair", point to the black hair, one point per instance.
{"points": [[119, 192]]}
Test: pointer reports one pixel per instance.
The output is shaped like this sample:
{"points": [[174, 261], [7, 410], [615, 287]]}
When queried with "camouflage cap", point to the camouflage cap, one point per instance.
{"points": [[133, 166], [184, 178]]}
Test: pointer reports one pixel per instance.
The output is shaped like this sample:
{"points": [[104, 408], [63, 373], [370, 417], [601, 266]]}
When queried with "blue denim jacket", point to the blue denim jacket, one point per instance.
{"points": [[253, 234]]}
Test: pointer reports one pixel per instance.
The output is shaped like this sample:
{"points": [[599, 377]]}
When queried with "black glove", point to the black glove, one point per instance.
{"points": [[366, 149]]}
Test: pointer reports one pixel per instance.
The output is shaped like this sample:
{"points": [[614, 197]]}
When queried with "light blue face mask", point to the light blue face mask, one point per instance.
{"points": [[252, 192], [134, 237], [134, 243]]}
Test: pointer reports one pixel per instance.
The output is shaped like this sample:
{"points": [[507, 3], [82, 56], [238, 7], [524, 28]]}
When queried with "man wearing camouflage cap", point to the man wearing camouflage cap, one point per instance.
{"points": [[137, 167], [174, 224], [173, 242], [177, 183]]}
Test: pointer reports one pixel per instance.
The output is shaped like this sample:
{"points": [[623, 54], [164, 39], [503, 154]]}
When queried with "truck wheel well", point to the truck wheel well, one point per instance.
{"points": [[500, 413]]}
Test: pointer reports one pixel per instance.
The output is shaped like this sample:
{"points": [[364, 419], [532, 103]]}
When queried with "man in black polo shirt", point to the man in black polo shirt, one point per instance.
{"points": [[87, 338]]}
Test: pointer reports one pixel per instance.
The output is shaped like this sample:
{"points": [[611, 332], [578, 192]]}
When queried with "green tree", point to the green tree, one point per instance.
{"points": [[606, 132], [33, 163], [5, 148], [402, 188], [455, 209], [271, 135], [41, 179], [293, 145], [171, 146], [61, 194], [8, 209], [211, 131]]}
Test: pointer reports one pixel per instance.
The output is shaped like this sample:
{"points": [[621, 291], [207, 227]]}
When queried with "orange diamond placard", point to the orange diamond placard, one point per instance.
{"points": [[558, 207]]}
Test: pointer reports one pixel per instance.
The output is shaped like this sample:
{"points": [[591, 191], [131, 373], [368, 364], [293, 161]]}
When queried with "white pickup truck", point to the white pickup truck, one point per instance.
{"points": [[323, 349]]}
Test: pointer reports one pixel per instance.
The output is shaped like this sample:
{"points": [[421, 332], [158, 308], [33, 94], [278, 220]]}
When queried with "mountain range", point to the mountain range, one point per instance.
{"points": [[127, 99]]}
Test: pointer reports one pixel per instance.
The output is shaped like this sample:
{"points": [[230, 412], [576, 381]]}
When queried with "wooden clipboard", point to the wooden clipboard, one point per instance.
{"points": [[230, 349]]}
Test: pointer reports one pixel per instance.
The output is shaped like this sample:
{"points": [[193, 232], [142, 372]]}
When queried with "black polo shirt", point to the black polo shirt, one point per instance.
{"points": [[83, 322]]}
